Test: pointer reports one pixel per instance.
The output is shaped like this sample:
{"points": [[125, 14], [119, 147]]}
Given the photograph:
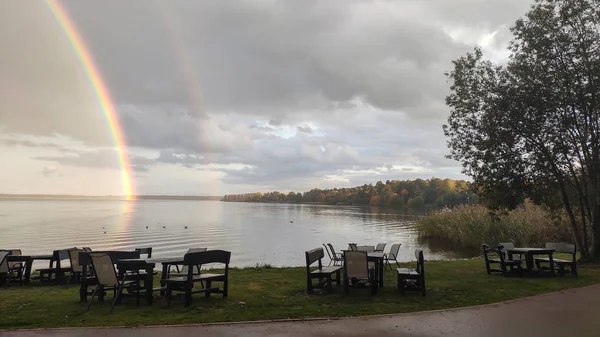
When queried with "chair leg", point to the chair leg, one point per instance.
{"points": [[168, 294], [226, 287], [188, 294], [118, 293], [91, 300]]}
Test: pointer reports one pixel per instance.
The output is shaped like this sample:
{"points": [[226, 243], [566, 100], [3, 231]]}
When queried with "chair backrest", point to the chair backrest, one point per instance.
{"points": [[420, 262], [74, 258], [3, 262], [356, 264], [209, 256], [331, 248], [196, 250], [563, 247], [314, 255], [84, 257], [352, 246], [328, 252], [366, 248], [104, 268], [394, 250], [505, 247], [15, 264], [87, 249], [184, 270], [380, 247], [145, 251]]}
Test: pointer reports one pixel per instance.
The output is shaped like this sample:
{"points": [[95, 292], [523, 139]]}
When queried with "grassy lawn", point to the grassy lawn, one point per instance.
{"points": [[279, 293]]}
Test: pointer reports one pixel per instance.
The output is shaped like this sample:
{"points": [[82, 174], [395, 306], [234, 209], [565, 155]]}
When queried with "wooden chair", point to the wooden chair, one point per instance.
{"points": [[322, 273], [356, 270], [560, 264], [186, 283], [145, 251], [56, 271], [413, 279], [496, 255]]}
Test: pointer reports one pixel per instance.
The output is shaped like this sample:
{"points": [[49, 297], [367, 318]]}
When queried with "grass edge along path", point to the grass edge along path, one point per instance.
{"points": [[280, 293]]}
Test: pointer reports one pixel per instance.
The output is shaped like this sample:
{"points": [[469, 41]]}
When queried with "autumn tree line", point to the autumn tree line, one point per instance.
{"points": [[410, 194]]}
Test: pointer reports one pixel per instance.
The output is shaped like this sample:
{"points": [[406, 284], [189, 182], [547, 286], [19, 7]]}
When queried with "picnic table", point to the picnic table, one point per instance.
{"points": [[28, 260], [529, 255]]}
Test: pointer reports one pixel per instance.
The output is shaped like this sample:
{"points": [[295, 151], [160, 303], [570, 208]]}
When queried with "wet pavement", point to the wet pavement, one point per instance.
{"points": [[574, 312]]}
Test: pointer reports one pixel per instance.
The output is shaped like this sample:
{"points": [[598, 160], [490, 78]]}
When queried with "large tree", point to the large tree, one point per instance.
{"points": [[531, 127]]}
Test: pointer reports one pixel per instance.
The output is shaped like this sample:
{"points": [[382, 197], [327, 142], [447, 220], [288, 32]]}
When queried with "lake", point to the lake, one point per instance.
{"points": [[276, 234]]}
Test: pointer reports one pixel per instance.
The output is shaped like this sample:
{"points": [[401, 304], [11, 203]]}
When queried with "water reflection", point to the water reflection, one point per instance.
{"points": [[277, 234]]}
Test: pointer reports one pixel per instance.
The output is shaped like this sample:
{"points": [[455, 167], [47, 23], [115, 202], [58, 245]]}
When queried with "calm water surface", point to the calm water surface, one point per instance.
{"points": [[276, 234]]}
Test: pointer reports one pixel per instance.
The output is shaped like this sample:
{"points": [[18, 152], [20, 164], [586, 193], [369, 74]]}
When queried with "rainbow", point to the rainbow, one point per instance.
{"points": [[102, 93]]}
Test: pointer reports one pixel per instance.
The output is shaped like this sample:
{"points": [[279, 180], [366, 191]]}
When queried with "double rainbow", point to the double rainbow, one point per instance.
{"points": [[101, 92]]}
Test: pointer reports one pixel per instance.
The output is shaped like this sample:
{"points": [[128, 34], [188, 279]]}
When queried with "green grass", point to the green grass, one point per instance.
{"points": [[279, 293]]}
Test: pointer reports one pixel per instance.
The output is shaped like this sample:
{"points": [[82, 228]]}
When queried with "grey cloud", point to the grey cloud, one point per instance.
{"points": [[305, 129], [295, 90], [99, 159], [239, 55]]}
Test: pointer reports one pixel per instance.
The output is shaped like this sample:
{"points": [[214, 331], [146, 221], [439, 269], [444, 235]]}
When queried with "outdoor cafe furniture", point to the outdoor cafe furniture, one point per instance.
{"points": [[336, 257], [529, 254], [560, 264], [323, 274], [357, 272], [392, 255], [376, 262], [497, 255], [380, 247], [184, 269], [413, 279], [107, 278], [126, 261], [4, 266], [26, 264], [185, 284], [55, 271]]}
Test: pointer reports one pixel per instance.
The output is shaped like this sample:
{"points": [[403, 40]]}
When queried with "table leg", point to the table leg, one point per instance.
{"points": [[28, 266], [163, 277], [148, 284], [380, 270], [529, 261], [551, 258]]}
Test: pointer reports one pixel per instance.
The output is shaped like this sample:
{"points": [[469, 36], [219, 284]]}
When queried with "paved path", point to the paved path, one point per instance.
{"points": [[573, 312]]}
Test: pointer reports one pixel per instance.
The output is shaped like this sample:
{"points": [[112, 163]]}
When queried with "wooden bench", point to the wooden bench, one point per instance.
{"points": [[324, 274], [495, 255], [413, 279], [560, 264]]}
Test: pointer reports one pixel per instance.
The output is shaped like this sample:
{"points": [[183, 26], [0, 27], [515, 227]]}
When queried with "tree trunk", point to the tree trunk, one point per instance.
{"points": [[596, 232]]}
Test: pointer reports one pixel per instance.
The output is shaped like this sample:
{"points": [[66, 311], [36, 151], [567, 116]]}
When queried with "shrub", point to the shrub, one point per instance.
{"points": [[470, 226]]}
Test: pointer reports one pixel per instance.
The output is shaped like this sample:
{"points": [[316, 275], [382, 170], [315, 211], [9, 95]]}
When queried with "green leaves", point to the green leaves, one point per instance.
{"points": [[532, 128]]}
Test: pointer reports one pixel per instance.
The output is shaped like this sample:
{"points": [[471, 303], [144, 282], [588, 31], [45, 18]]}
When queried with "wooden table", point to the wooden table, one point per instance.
{"points": [[28, 259], [530, 253], [377, 258], [136, 265], [166, 262]]}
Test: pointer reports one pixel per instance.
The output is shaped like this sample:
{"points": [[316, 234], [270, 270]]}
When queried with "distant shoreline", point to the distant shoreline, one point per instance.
{"points": [[108, 197]]}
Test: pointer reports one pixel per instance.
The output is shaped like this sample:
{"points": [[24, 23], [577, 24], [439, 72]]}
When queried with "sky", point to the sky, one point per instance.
{"points": [[220, 97]]}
